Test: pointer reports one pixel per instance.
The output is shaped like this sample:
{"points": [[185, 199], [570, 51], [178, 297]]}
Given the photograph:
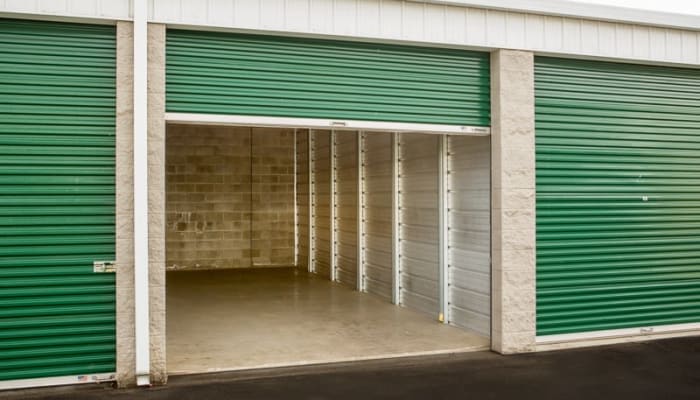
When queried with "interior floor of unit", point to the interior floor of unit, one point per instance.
{"points": [[235, 319]]}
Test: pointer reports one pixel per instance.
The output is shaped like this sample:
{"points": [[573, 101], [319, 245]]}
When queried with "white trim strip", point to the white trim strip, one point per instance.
{"points": [[332, 207], [579, 9], [443, 218], [141, 284], [360, 212], [395, 222], [312, 194], [57, 381], [615, 333], [313, 123]]}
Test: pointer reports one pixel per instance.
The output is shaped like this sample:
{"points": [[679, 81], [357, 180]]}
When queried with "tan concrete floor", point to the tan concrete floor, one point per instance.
{"points": [[260, 318]]}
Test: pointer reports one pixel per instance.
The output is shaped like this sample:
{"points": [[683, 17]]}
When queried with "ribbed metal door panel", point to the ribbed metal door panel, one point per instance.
{"points": [[346, 207], [321, 202], [57, 125], [618, 196], [225, 73], [377, 196], [469, 234], [418, 215]]}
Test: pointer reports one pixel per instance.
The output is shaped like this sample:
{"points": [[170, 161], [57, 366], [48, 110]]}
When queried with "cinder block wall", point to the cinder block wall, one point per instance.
{"points": [[229, 204], [273, 197]]}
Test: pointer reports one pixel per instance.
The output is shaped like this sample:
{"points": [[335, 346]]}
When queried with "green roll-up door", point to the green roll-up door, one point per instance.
{"points": [[223, 73], [618, 196], [57, 126]]}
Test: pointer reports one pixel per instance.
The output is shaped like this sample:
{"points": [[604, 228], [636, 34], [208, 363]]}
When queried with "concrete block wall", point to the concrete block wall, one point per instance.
{"points": [[303, 198], [513, 201], [272, 197], [230, 197], [208, 197]]}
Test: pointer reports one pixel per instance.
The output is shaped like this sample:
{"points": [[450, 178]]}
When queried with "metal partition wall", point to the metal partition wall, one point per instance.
{"points": [[321, 184], [417, 204], [345, 175], [418, 219], [378, 216], [469, 233]]}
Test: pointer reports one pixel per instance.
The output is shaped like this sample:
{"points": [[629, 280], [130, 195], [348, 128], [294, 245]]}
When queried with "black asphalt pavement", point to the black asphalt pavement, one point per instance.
{"points": [[668, 370]]}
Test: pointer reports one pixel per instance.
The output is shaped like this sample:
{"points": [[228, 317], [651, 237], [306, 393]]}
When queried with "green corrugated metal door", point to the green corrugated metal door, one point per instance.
{"points": [[618, 196], [223, 73], [57, 126]]}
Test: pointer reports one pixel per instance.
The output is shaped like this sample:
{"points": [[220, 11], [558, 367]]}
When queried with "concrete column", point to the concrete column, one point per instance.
{"points": [[125, 205], [513, 201], [156, 199]]}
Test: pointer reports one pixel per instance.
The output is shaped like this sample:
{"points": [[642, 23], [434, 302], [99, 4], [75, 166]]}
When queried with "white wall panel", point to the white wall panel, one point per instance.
{"points": [[321, 16], [272, 13], [346, 207], [469, 233], [368, 12], [297, 15], [345, 18], [321, 207], [534, 31], [220, 12], [377, 214], [302, 203], [516, 30], [418, 216], [395, 20], [107, 9]]}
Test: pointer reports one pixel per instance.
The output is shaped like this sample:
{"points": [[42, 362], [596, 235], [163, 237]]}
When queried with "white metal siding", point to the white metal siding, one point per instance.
{"points": [[418, 215], [439, 24], [377, 213], [346, 207], [396, 20], [302, 193], [321, 208], [107, 9], [469, 232]]}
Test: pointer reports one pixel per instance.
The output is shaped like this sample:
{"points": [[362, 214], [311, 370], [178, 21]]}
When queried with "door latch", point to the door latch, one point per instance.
{"points": [[104, 266]]}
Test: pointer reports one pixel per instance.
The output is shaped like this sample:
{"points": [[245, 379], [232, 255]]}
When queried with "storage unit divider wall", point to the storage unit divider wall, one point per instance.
{"points": [[322, 180], [418, 219], [469, 233], [346, 208], [378, 214], [466, 161]]}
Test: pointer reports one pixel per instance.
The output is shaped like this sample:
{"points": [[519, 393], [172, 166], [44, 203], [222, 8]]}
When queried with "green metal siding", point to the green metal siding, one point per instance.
{"points": [[223, 73], [618, 195], [57, 126]]}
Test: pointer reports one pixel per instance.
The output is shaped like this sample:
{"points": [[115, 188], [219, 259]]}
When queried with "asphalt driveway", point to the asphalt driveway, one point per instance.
{"points": [[668, 369]]}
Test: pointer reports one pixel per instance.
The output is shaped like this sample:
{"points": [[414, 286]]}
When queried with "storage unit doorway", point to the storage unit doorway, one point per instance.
{"points": [[264, 266], [315, 185]]}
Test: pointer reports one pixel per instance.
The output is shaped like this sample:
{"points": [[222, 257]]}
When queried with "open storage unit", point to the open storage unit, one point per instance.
{"points": [[341, 165], [259, 276]]}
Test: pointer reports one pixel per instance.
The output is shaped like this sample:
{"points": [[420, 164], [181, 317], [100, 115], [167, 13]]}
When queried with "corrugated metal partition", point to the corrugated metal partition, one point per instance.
{"points": [[418, 215], [346, 207], [377, 196], [227, 73], [618, 196], [321, 178], [57, 317], [302, 197], [469, 234]]}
